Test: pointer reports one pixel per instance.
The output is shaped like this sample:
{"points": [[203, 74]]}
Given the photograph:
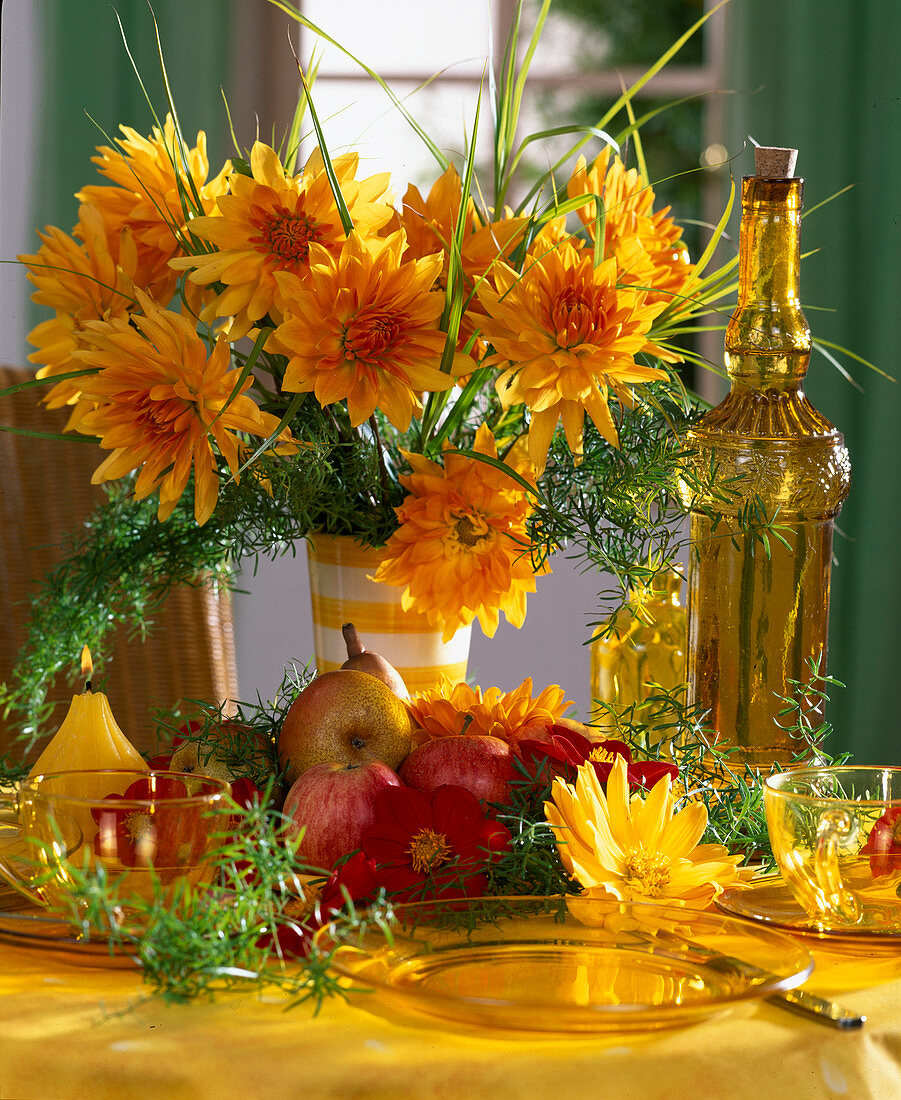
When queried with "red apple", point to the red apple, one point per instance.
{"points": [[539, 729], [483, 765], [333, 804]]}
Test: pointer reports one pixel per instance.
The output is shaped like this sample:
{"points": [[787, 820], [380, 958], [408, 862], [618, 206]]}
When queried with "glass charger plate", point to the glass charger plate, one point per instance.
{"points": [[35, 929], [769, 902], [567, 967]]}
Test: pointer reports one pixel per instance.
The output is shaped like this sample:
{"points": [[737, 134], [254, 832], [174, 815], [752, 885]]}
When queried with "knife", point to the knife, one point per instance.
{"points": [[799, 1001]]}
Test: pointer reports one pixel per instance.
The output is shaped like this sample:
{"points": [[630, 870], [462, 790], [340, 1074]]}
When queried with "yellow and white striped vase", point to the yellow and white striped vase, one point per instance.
{"points": [[341, 592]]}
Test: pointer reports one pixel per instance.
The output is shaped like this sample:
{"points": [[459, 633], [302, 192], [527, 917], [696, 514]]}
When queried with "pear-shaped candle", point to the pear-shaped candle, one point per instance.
{"points": [[88, 739]]}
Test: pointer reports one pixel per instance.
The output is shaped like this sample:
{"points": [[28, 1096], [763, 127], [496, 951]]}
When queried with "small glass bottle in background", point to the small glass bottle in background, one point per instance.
{"points": [[642, 645]]}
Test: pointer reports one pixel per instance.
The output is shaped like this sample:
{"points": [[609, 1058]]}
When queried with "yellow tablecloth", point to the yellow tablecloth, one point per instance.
{"points": [[67, 1031]]}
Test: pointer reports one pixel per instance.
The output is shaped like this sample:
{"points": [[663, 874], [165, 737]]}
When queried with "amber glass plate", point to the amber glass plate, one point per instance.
{"points": [[36, 929], [770, 903], [567, 967]]}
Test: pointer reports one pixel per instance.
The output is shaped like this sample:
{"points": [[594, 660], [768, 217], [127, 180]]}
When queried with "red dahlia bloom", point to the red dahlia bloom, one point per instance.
{"points": [[561, 756], [883, 845], [428, 845]]}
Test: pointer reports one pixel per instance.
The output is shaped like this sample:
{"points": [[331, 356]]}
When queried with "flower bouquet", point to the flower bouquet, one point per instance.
{"points": [[463, 382]]}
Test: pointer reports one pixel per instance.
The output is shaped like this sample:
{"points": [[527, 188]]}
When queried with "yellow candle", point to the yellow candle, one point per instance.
{"points": [[89, 738]]}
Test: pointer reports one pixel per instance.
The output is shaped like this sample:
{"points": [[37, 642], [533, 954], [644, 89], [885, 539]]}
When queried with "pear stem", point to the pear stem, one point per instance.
{"points": [[352, 640]]}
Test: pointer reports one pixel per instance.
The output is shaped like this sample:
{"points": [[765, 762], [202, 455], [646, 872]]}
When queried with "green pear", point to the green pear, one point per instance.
{"points": [[344, 717]]}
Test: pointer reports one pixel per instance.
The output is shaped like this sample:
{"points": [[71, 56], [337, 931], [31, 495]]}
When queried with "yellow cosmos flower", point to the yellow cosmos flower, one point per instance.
{"points": [[450, 709], [145, 202], [637, 849], [363, 327], [462, 550], [267, 223], [567, 334], [645, 243], [81, 281], [161, 402]]}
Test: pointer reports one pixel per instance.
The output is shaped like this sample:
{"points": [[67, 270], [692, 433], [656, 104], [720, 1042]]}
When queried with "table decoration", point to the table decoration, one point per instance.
{"points": [[836, 838], [150, 833], [343, 591], [415, 376], [543, 967], [89, 736], [769, 901], [639, 650], [414, 379], [759, 599]]}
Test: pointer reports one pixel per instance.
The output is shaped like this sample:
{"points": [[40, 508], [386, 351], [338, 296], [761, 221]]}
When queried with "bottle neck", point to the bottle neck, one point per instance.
{"points": [[768, 338]]}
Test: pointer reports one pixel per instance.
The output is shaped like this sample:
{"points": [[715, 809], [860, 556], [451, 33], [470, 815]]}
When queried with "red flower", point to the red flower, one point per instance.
{"points": [[567, 750], [140, 830], [358, 878], [883, 845], [428, 845]]}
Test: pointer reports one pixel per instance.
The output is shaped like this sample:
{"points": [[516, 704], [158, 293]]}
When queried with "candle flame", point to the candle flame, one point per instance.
{"points": [[87, 665]]}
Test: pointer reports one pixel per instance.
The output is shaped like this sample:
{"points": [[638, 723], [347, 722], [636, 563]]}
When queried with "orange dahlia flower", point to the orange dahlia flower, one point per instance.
{"points": [[452, 709], [267, 223], [431, 223], [567, 334], [149, 176], [161, 403], [462, 551], [82, 281], [363, 327], [645, 243]]}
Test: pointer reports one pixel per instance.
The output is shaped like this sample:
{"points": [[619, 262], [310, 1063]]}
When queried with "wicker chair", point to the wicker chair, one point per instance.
{"points": [[45, 493]]}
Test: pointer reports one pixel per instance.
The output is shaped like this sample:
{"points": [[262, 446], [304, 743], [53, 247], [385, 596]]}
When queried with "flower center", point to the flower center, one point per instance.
{"points": [[647, 872], [138, 826], [575, 316], [286, 235], [370, 334], [600, 755], [469, 529], [428, 849]]}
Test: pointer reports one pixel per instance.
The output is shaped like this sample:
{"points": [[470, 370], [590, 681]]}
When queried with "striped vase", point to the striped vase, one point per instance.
{"points": [[341, 592]]}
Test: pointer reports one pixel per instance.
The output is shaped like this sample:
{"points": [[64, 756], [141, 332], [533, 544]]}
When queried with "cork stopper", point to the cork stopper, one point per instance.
{"points": [[774, 163]]}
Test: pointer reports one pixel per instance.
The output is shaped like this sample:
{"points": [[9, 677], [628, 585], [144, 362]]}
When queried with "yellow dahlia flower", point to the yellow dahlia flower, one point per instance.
{"points": [[451, 709], [462, 549], [145, 200], [81, 281], [363, 327], [645, 243], [267, 223], [567, 334], [161, 403], [637, 849]]}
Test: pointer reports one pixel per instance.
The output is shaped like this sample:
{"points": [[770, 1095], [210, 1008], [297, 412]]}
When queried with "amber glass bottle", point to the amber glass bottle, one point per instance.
{"points": [[758, 600], [641, 646]]}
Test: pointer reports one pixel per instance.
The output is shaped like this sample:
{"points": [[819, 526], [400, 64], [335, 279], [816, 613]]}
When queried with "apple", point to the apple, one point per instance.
{"points": [[539, 729], [481, 764], [331, 805], [347, 717]]}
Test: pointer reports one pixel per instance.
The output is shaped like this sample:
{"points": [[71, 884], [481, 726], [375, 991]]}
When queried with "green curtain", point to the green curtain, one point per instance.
{"points": [[89, 87], [823, 77]]}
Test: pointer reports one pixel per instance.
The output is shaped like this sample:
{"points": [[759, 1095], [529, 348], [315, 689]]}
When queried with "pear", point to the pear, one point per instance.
{"points": [[362, 659], [344, 717]]}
